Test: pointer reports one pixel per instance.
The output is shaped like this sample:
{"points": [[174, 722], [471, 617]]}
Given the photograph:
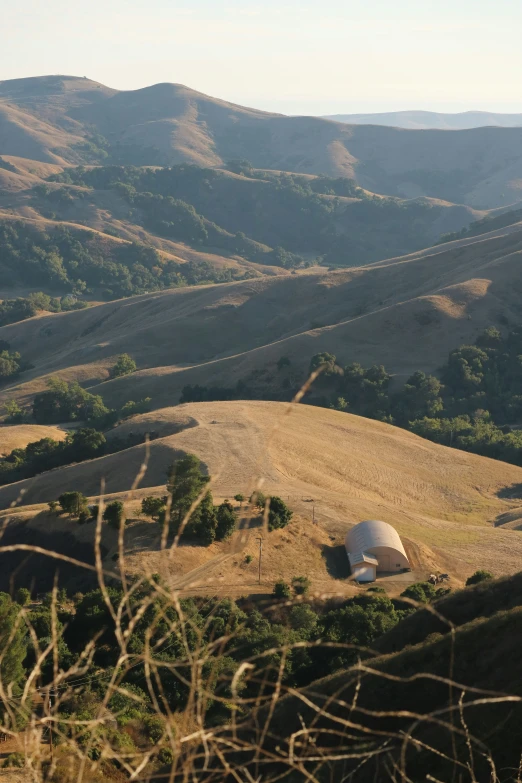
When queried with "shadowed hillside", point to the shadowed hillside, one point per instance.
{"points": [[59, 119], [432, 302], [452, 698]]}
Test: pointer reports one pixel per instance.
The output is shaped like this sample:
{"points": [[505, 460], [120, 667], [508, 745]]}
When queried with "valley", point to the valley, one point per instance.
{"points": [[228, 336]]}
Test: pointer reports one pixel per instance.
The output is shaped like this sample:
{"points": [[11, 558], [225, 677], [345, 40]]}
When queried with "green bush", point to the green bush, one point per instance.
{"points": [[479, 576], [114, 513], [153, 507], [15, 760], [226, 521], [23, 596], [422, 592], [279, 515], [258, 499], [125, 365], [282, 590], [15, 414], [73, 503], [301, 585], [67, 402]]}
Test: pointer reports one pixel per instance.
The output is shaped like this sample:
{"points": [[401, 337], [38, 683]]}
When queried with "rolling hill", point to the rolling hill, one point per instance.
{"points": [[165, 168], [443, 502], [431, 301], [68, 120], [396, 712], [424, 120], [19, 435]]}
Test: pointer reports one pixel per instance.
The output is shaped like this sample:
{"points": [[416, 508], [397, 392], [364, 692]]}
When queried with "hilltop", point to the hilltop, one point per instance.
{"points": [[166, 187], [442, 501], [69, 120]]}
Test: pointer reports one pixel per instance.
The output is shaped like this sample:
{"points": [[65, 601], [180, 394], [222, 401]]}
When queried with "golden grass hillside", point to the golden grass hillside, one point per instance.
{"points": [[17, 436], [430, 301], [173, 124], [443, 502]]}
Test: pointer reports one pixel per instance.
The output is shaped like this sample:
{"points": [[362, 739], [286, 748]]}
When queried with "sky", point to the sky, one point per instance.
{"points": [[291, 56]]}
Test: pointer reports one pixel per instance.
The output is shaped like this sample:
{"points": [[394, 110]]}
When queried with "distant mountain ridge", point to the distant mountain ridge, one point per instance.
{"points": [[424, 120], [67, 120]]}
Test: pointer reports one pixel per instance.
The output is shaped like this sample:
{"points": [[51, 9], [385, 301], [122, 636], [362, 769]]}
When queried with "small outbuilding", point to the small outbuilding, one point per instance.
{"points": [[374, 547]]}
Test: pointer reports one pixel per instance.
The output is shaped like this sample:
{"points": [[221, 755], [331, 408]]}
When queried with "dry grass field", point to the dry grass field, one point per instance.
{"points": [[17, 436], [442, 501], [406, 313]]}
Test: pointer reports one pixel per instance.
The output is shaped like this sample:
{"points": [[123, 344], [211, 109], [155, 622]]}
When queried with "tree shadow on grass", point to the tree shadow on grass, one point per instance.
{"points": [[513, 492], [336, 561]]}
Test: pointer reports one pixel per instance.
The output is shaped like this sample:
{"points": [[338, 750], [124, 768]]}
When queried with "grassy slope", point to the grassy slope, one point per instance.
{"points": [[18, 436], [442, 501], [457, 609], [483, 655], [431, 301], [180, 124]]}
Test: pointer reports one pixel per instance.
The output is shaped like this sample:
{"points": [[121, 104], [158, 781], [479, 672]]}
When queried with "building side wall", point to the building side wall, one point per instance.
{"points": [[391, 560], [364, 573]]}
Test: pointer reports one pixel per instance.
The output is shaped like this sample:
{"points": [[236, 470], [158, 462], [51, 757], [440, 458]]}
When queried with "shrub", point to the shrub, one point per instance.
{"points": [[23, 596], [258, 499], [73, 503], [125, 365], [153, 507], [422, 592], [226, 521], [479, 576], [67, 402], [282, 590], [84, 516], [279, 515], [301, 585], [114, 513], [53, 506], [283, 361], [15, 415], [15, 760], [248, 559], [303, 618]]}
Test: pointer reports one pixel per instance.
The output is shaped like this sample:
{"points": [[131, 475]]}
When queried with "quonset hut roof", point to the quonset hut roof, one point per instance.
{"points": [[373, 533]]}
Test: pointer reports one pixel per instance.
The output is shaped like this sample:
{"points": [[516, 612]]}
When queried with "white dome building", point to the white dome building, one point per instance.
{"points": [[374, 547]]}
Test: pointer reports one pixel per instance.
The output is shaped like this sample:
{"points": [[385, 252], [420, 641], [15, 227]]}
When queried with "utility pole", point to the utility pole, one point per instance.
{"points": [[260, 556]]}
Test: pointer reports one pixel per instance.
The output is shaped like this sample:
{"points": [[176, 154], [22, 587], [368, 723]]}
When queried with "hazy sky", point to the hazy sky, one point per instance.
{"points": [[294, 56]]}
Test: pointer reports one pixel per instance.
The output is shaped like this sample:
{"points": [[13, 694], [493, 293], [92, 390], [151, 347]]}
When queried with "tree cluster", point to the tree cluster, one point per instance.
{"points": [[64, 402], [185, 485], [267, 217], [13, 310], [472, 406], [76, 263], [206, 522], [79, 445]]}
